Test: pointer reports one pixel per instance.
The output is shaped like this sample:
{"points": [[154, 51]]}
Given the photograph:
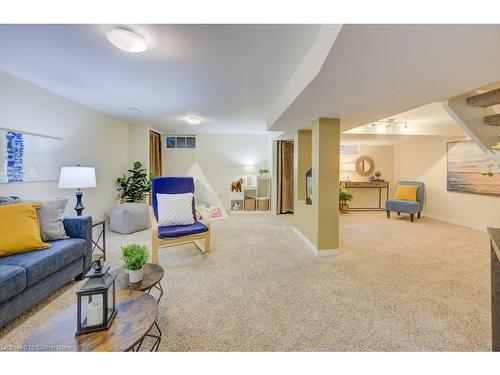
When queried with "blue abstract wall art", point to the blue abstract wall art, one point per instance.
{"points": [[26, 157], [15, 148]]}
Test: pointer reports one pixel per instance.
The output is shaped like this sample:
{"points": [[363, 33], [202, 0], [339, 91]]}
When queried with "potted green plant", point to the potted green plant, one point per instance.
{"points": [[134, 257], [133, 189], [263, 171], [344, 197]]}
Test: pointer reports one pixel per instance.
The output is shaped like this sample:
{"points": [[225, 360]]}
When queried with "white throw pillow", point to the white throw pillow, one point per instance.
{"points": [[51, 218], [175, 209]]}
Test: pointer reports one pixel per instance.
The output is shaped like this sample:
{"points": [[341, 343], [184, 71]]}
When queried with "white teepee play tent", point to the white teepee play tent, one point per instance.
{"points": [[205, 197]]}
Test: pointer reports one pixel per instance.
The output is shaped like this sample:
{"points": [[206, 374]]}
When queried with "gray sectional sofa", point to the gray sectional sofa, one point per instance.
{"points": [[27, 278]]}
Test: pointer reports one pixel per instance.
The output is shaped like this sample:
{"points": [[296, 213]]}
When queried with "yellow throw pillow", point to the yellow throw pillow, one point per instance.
{"points": [[20, 229], [406, 192]]}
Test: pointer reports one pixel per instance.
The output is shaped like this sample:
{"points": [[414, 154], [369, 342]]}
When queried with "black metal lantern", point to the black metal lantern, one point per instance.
{"points": [[96, 300], [309, 188]]}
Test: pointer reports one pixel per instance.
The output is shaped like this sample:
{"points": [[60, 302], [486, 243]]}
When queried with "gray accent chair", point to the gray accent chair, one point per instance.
{"points": [[407, 207], [26, 278]]}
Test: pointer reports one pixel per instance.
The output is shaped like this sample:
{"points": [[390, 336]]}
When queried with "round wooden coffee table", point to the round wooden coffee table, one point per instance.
{"points": [[136, 315], [153, 274]]}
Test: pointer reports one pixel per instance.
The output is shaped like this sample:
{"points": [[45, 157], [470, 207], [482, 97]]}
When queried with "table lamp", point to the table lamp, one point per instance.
{"points": [[77, 178]]}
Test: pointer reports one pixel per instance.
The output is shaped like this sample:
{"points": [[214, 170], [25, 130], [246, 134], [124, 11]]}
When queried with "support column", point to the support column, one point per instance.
{"points": [[319, 148], [325, 166]]}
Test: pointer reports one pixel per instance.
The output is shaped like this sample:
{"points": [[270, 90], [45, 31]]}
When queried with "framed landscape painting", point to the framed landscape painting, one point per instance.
{"points": [[470, 170], [26, 157]]}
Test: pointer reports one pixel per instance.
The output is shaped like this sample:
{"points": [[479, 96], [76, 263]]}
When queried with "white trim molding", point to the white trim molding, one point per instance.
{"points": [[314, 249]]}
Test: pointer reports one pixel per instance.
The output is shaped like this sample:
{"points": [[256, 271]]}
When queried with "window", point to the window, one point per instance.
{"points": [[180, 141], [170, 142]]}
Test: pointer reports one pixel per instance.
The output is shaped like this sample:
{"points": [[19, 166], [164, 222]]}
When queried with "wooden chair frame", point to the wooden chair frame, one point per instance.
{"points": [[157, 243]]}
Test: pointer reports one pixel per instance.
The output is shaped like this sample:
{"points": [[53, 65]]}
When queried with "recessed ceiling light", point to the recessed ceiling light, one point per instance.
{"points": [[127, 40], [193, 120], [381, 128]]}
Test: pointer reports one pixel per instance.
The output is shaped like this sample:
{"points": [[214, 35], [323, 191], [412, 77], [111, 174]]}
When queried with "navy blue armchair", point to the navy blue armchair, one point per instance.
{"points": [[164, 236], [407, 207]]}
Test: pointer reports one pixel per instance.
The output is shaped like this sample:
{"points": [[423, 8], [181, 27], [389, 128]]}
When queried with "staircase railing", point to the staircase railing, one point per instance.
{"points": [[476, 115]]}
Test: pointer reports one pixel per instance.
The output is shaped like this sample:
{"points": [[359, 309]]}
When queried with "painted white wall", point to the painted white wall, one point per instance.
{"points": [[138, 145], [384, 162], [89, 138], [222, 158], [426, 162]]}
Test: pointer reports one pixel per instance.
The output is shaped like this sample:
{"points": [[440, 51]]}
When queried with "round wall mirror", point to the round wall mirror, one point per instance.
{"points": [[365, 166]]}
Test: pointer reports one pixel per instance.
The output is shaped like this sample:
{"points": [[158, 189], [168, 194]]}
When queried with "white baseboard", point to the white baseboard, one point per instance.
{"points": [[314, 249], [455, 222]]}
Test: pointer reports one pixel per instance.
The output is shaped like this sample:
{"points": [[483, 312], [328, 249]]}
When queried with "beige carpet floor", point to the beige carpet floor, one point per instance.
{"points": [[396, 286]]}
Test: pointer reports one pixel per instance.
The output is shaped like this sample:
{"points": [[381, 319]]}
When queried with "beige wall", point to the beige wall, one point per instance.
{"points": [[318, 148], [304, 162], [89, 138], [138, 146], [325, 163], [222, 158], [383, 156], [303, 214], [426, 162]]}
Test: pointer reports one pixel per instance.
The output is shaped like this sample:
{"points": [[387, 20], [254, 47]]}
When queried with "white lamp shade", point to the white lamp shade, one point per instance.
{"points": [[77, 178]]}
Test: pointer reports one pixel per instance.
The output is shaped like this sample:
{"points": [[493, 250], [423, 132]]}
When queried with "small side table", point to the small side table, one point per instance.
{"points": [[153, 274], [101, 237]]}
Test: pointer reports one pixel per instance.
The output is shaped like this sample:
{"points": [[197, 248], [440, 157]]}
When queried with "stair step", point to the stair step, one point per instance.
{"points": [[486, 99], [493, 120]]}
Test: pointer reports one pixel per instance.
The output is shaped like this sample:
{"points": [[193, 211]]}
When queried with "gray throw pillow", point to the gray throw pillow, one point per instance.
{"points": [[51, 218], [8, 200]]}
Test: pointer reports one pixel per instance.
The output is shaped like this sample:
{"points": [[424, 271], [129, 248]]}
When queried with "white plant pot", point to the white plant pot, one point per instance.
{"points": [[135, 276]]}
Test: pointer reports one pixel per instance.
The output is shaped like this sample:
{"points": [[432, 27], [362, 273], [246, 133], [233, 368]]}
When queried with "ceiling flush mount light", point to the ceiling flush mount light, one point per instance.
{"points": [[127, 40], [193, 120]]}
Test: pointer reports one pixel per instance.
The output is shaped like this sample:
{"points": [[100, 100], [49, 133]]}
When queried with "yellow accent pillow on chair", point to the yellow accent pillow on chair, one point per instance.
{"points": [[20, 229], [406, 192]]}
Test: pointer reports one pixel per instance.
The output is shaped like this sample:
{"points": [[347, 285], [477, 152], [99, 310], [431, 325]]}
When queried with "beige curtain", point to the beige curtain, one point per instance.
{"points": [[155, 162], [286, 177]]}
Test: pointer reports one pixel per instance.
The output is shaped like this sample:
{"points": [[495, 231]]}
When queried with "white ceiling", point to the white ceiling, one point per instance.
{"points": [[388, 139], [429, 114], [229, 75], [428, 122], [429, 119], [376, 71]]}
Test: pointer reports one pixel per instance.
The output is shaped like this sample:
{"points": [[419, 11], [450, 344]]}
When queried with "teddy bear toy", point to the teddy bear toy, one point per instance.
{"points": [[236, 185]]}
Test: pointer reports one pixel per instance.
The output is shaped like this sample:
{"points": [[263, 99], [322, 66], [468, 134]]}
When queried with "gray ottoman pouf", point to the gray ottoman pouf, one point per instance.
{"points": [[129, 218]]}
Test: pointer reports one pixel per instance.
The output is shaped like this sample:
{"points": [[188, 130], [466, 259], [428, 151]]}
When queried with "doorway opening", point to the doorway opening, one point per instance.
{"points": [[155, 161], [285, 177]]}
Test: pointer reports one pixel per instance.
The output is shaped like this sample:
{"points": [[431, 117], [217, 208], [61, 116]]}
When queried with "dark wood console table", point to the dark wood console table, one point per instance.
{"points": [[495, 287], [368, 185]]}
